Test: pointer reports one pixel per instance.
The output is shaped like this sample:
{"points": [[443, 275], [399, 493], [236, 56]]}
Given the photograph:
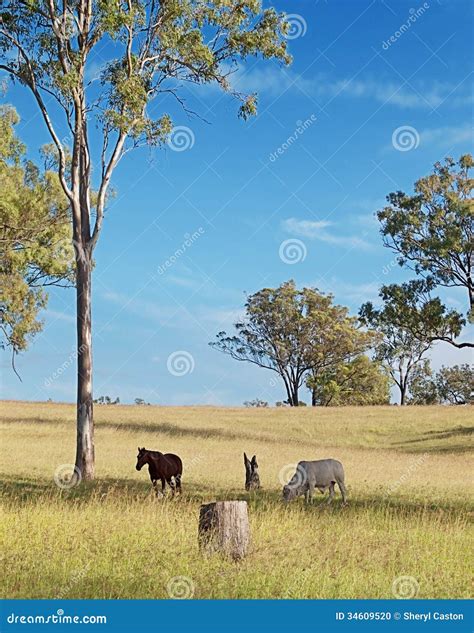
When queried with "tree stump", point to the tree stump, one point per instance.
{"points": [[224, 527]]}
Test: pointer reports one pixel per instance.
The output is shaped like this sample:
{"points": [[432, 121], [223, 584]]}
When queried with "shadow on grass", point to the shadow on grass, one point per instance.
{"points": [[26, 491], [432, 441], [158, 428]]}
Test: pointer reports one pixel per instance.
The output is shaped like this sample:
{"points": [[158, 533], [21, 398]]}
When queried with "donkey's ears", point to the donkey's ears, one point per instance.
{"points": [[246, 459], [254, 461], [139, 449]]}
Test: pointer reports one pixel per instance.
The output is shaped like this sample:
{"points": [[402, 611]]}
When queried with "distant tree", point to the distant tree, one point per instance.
{"points": [[398, 350], [432, 233], [456, 384], [152, 49], [342, 354], [361, 381], [35, 240], [107, 400], [422, 386], [141, 402], [256, 403], [292, 332]]}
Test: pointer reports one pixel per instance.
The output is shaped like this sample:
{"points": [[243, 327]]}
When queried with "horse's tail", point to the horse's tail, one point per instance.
{"points": [[179, 473]]}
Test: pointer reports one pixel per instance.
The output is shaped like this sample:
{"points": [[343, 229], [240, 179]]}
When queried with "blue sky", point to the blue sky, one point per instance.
{"points": [[366, 108]]}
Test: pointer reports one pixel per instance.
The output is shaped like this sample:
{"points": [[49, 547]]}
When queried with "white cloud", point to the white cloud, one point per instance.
{"points": [[320, 230], [61, 316], [418, 94], [448, 135], [353, 294]]}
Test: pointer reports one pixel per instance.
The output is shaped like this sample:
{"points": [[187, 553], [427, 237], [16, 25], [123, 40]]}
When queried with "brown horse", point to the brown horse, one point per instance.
{"points": [[161, 467]]}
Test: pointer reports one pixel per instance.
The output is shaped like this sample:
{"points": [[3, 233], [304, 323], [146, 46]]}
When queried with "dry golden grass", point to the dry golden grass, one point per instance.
{"points": [[409, 479]]}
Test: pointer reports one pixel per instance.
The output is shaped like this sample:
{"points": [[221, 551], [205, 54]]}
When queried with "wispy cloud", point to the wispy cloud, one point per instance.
{"points": [[324, 231], [417, 94], [353, 294], [61, 316], [449, 135]]}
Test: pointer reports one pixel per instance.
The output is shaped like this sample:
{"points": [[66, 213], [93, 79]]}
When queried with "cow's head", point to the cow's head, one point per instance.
{"points": [[296, 486]]}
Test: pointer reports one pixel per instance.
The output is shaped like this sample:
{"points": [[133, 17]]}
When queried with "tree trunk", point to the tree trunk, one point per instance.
{"points": [[294, 396], [224, 527], [403, 390], [85, 422], [314, 399]]}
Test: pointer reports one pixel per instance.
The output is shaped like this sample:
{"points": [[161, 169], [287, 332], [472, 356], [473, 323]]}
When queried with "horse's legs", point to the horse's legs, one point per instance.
{"points": [[163, 484], [170, 483]]}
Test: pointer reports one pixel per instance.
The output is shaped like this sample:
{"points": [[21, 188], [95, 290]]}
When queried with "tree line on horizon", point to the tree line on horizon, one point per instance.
{"points": [[311, 343]]}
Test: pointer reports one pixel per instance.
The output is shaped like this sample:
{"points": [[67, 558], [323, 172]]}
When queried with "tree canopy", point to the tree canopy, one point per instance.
{"points": [[432, 231], [398, 349], [422, 385], [456, 384], [293, 332], [359, 382], [36, 249]]}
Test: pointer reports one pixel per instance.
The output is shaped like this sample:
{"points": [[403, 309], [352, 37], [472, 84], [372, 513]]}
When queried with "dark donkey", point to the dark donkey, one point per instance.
{"points": [[161, 467]]}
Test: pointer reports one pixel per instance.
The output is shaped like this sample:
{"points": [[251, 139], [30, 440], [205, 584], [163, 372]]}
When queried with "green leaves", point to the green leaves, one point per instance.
{"points": [[432, 232], [36, 247], [295, 333], [455, 384], [359, 382]]}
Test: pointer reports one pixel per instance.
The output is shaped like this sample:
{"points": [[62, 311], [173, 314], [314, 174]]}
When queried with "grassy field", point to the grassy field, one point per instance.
{"points": [[408, 473]]}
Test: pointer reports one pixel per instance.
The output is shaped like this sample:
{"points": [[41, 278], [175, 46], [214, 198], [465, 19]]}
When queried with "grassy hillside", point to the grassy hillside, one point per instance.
{"points": [[408, 472]]}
